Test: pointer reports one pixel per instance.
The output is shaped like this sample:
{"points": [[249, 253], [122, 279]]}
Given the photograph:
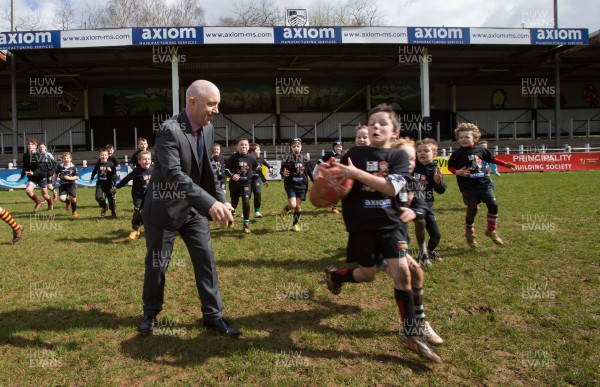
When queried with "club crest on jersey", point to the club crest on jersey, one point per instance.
{"points": [[402, 245], [383, 169], [371, 166], [243, 167]]}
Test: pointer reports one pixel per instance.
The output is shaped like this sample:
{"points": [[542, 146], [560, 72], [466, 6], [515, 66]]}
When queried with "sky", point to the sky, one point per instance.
{"points": [[425, 13]]}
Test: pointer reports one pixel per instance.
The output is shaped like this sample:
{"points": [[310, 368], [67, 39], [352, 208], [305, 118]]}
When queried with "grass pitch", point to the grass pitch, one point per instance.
{"points": [[527, 313]]}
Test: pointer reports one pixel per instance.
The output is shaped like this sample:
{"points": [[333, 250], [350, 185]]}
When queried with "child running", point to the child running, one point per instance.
{"points": [[49, 164], [67, 174], [411, 200], [258, 179], [240, 168], [372, 218], [142, 146], [35, 175], [430, 179], [296, 169], [219, 163], [140, 177], [105, 171], [467, 164]]}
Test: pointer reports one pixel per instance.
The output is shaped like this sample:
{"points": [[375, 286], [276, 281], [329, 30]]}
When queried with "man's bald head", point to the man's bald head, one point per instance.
{"points": [[199, 88], [203, 99]]}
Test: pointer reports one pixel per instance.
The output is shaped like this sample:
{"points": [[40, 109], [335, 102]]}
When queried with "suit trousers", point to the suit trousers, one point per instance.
{"points": [[195, 233]]}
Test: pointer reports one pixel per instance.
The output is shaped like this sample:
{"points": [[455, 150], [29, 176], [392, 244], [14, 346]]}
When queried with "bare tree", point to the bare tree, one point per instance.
{"points": [[119, 14], [186, 13], [64, 15], [147, 13], [350, 13], [254, 13], [31, 22], [89, 16]]}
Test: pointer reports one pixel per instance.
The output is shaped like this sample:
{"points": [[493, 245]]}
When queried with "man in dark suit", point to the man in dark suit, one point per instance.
{"points": [[182, 196]]}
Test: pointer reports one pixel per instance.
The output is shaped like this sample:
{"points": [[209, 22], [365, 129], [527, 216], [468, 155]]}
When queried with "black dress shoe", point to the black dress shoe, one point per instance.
{"points": [[147, 324], [223, 326]]}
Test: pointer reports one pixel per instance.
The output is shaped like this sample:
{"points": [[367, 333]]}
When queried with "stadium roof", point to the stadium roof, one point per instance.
{"points": [[252, 64]]}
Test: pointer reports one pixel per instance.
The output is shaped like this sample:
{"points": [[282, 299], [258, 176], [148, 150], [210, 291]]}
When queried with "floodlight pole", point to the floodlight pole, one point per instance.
{"points": [[425, 102], [175, 82], [13, 93], [557, 86]]}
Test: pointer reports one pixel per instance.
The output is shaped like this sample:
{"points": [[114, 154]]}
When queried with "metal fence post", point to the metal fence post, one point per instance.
{"points": [[497, 131]]}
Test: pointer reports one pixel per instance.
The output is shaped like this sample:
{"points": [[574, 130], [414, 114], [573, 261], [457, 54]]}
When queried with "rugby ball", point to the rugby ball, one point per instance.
{"points": [[330, 186]]}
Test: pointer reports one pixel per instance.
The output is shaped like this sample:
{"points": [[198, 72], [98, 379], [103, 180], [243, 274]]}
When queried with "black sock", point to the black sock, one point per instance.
{"points": [[296, 216], [74, 206], [406, 307], [343, 275]]}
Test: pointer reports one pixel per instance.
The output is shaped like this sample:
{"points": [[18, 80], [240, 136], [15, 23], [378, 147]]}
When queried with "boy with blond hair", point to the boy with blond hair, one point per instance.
{"points": [[362, 135], [476, 187]]}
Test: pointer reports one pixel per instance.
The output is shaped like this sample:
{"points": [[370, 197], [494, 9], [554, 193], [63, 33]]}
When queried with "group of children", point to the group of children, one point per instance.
{"points": [[42, 170], [107, 168], [394, 184]]}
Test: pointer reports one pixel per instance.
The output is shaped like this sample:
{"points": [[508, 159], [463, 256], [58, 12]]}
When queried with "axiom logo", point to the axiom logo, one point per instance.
{"points": [[168, 33], [308, 33], [26, 38], [560, 34], [438, 33]]}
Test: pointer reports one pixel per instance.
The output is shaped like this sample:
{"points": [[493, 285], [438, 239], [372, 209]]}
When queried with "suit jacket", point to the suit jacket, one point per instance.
{"points": [[177, 186]]}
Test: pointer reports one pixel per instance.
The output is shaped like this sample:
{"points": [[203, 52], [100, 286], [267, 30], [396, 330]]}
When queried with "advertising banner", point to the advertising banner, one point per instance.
{"points": [[442, 163], [96, 38], [500, 36], [160, 36], [398, 35], [307, 35], [29, 40], [167, 35], [558, 36], [232, 35], [438, 35], [550, 162]]}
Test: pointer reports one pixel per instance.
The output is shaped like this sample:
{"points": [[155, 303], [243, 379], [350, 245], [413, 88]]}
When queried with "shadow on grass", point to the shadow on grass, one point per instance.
{"points": [[53, 319], [185, 351], [108, 237], [333, 257]]}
